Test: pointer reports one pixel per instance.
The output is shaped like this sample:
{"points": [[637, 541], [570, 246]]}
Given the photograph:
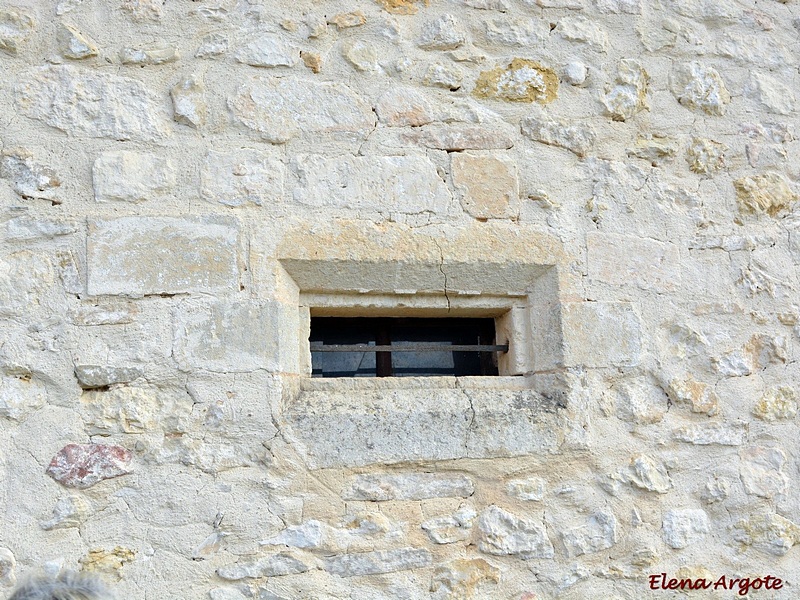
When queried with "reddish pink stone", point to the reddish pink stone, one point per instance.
{"points": [[82, 465]]}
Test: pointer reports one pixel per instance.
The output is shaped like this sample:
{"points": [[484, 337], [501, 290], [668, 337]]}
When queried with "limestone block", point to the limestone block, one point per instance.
{"points": [[759, 352], [626, 7], [20, 395], [403, 106], [522, 80], [700, 396], [768, 532], [531, 489], [374, 563], [153, 55], [242, 177], [129, 409], [92, 104], [228, 336], [759, 49], [69, 511], [346, 20], [400, 184], [632, 260], [761, 471], [777, 404], [213, 45], [640, 402], [517, 32], [455, 138], [144, 10], [444, 76], [716, 489], [269, 50], [578, 139], [713, 12], [581, 29], [188, 101], [312, 60], [601, 334], [107, 561], [95, 376], [700, 88], [102, 314], [771, 94], [488, 185], [408, 486], [227, 593], [655, 150], [768, 193], [361, 54], [598, 533], [83, 465], [31, 228], [463, 577], [444, 33], [8, 564], [723, 434], [274, 565], [15, 27], [683, 527], [24, 278], [628, 94], [400, 7], [65, 6], [309, 535], [646, 473], [125, 176], [134, 256], [74, 44], [575, 73], [280, 108], [451, 529], [503, 533], [28, 177], [705, 156]]}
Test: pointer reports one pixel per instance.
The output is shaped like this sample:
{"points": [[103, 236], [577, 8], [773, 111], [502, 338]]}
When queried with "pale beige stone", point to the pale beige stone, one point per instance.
{"points": [[771, 94], [74, 44], [154, 55], [463, 578], [522, 80], [768, 193], [269, 50], [242, 177], [777, 404], [15, 27], [761, 471], [347, 20], [443, 33], [628, 94], [699, 87], [29, 177], [700, 396], [109, 562], [8, 564], [402, 106], [188, 101], [581, 29], [772, 533], [488, 185], [361, 54], [131, 177], [632, 260], [705, 156], [601, 334], [144, 10], [128, 409]]}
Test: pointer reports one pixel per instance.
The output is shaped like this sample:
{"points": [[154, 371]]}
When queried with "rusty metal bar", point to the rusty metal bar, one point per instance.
{"points": [[417, 347]]}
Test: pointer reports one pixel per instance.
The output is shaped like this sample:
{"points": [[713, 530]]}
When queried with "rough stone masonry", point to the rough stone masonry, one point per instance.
{"points": [[182, 182]]}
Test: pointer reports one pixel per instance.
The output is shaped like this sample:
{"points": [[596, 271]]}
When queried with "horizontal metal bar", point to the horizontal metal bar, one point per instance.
{"points": [[418, 347]]}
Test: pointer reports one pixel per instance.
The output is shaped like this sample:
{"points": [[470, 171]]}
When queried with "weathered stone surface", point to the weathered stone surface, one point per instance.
{"points": [[768, 532], [640, 402], [628, 94], [599, 533], [83, 465], [444, 76], [274, 565], [531, 488], [70, 511], [134, 256], [575, 73], [8, 564], [312, 60], [144, 10], [521, 33], [685, 526], [234, 337], [92, 315], [716, 489], [444, 33], [131, 177], [777, 404], [107, 561], [242, 177], [20, 395], [757, 353], [761, 471], [705, 156], [502, 533], [269, 50], [28, 177], [626, 7], [771, 94], [153, 55], [15, 27], [408, 486], [361, 54], [455, 528], [92, 104], [399, 184], [213, 45], [188, 101], [767, 193], [279, 109], [402, 106], [400, 7], [309, 535], [581, 29], [30, 228], [488, 185], [647, 474], [632, 260], [227, 593], [724, 434], [347, 20], [373, 563], [576, 138], [600, 334], [461, 578], [656, 150], [74, 44], [700, 88], [94, 376], [522, 80], [700, 396], [455, 138]]}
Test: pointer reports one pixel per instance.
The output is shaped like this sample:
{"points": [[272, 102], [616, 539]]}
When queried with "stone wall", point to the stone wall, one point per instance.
{"points": [[183, 181]]}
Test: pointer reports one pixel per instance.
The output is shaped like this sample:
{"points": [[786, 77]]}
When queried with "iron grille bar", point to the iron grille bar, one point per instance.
{"points": [[420, 347]]}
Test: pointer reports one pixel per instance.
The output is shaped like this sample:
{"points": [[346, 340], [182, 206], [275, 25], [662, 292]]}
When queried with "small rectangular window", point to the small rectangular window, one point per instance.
{"points": [[403, 347]]}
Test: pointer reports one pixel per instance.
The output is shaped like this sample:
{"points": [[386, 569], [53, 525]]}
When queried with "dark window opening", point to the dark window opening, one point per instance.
{"points": [[402, 347]]}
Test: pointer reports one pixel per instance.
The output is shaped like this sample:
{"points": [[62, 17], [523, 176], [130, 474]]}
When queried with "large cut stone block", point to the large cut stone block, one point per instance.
{"points": [[631, 260], [134, 256], [601, 334], [235, 336]]}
